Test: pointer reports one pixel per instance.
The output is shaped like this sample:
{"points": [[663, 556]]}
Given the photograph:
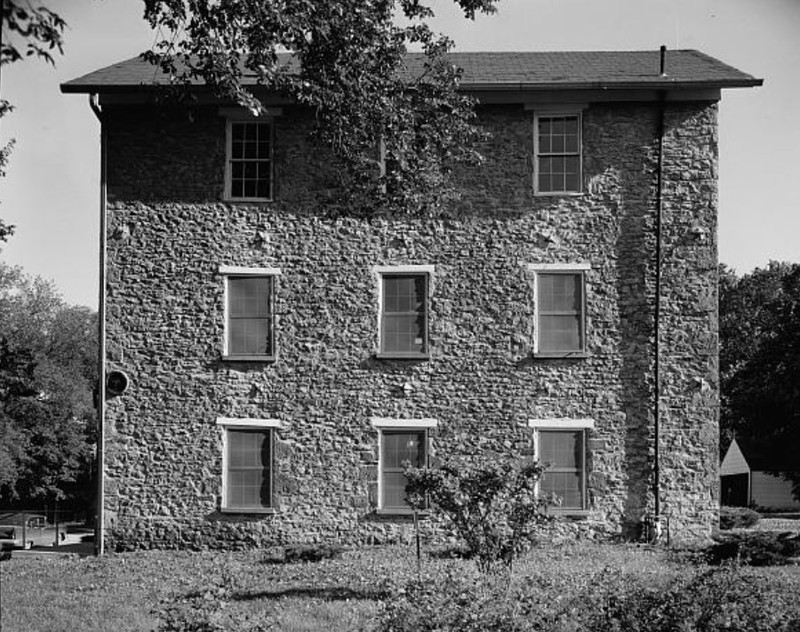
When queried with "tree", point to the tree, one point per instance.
{"points": [[396, 128], [491, 503], [760, 360], [28, 30], [47, 370]]}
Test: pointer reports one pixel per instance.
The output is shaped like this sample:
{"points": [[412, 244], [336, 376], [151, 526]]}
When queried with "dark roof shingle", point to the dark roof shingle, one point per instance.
{"points": [[505, 71]]}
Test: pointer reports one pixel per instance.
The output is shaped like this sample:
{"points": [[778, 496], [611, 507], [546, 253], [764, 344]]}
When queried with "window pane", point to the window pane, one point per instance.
{"points": [[562, 452], [249, 296], [565, 485], [561, 449], [403, 314], [250, 160], [560, 333], [559, 292], [249, 463], [394, 490], [399, 447]]}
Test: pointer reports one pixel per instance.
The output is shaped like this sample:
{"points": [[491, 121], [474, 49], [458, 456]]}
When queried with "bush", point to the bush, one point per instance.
{"points": [[303, 553], [756, 549], [728, 599], [737, 518], [492, 504]]}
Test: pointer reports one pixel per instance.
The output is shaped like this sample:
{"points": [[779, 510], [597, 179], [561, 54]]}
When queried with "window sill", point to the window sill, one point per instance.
{"points": [[249, 358], [400, 512], [383, 355], [265, 511], [557, 193], [230, 200], [566, 512], [561, 355]]}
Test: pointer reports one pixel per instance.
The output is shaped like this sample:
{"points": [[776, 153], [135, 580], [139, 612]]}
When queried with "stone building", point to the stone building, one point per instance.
{"points": [[284, 356]]}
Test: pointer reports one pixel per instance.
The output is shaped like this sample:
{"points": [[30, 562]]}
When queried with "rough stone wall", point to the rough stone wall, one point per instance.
{"points": [[169, 232]]}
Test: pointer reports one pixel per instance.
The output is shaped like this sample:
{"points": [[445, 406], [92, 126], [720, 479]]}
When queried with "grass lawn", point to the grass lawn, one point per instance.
{"points": [[241, 591]]}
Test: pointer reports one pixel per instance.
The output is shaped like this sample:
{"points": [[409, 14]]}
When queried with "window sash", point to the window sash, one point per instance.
{"points": [[392, 478], [570, 336], [248, 468], [558, 153], [249, 160], [564, 477], [404, 316], [250, 316]]}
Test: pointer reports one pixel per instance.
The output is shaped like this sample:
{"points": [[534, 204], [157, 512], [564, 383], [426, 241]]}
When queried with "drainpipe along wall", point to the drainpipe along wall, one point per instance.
{"points": [[99, 531], [657, 325]]}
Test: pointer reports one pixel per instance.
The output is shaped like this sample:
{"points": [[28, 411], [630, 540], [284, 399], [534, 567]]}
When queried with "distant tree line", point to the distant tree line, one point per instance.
{"points": [[760, 361], [48, 369]]}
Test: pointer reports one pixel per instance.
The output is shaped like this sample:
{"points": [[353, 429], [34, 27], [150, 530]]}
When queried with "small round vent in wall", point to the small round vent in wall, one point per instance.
{"points": [[116, 382]]}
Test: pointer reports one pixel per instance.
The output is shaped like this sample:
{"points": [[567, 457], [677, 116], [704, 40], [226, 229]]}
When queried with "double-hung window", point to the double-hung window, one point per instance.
{"points": [[249, 313], [247, 464], [560, 308], [248, 159], [557, 152], [404, 307], [401, 441], [560, 445]]}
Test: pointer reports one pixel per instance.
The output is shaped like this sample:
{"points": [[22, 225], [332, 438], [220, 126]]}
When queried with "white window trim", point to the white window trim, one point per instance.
{"points": [[402, 424], [239, 115], [248, 422], [420, 269], [245, 423], [392, 424], [578, 267], [584, 425], [228, 271], [548, 112]]}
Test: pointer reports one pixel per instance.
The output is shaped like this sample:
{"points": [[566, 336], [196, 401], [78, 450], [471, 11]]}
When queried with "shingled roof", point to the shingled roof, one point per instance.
{"points": [[685, 69]]}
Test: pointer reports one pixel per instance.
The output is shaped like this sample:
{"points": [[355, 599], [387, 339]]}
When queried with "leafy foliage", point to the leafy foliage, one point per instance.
{"points": [[47, 371], [396, 128], [29, 29], [491, 504], [760, 548], [737, 518], [760, 361], [727, 599]]}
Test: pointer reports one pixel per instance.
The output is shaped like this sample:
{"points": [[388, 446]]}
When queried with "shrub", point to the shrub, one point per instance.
{"points": [[491, 504], [728, 599], [757, 549], [737, 518], [303, 553]]}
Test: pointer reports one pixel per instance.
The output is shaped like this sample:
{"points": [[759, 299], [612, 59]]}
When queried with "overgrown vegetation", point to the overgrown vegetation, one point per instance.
{"points": [[492, 504], [576, 588], [737, 518], [759, 548], [759, 363], [48, 368], [397, 128]]}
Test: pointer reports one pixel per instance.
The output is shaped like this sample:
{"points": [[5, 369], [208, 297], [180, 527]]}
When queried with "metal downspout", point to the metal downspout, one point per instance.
{"points": [[99, 531], [657, 325]]}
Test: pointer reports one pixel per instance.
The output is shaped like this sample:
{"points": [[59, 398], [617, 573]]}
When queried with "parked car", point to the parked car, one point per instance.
{"points": [[24, 530]]}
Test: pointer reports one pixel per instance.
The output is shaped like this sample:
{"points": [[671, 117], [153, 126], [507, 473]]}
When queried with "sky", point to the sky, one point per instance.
{"points": [[51, 192]]}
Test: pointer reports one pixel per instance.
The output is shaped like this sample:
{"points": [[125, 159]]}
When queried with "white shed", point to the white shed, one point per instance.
{"points": [[748, 478]]}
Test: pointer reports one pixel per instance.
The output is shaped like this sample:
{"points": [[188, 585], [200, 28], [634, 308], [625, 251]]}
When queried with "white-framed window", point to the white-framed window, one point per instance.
{"points": [[557, 152], [249, 297], [248, 447], [399, 440], [249, 168], [404, 305], [560, 309], [560, 445]]}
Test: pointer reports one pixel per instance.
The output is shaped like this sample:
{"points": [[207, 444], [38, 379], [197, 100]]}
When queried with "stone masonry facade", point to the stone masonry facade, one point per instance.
{"points": [[169, 231]]}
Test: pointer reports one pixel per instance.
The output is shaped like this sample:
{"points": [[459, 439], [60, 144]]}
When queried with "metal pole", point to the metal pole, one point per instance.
{"points": [[99, 540]]}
